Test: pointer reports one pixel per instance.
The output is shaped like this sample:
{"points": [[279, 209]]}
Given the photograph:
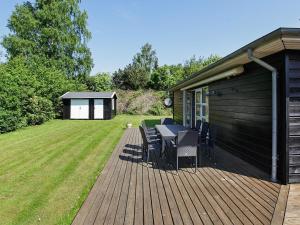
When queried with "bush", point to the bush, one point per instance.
{"points": [[143, 102], [39, 110], [29, 93], [10, 120]]}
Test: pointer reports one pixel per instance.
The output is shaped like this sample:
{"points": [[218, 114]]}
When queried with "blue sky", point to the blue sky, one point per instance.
{"points": [[176, 29]]}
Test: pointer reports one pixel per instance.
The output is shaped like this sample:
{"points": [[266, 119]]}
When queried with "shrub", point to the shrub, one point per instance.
{"points": [[142, 102], [39, 110], [10, 120]]}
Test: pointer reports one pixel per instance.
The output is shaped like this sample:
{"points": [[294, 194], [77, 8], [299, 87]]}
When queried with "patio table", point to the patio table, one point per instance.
{"points": [[168, 132]]}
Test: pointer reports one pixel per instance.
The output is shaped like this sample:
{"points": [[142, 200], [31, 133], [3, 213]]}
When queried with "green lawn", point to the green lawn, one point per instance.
{"points": [[47, 171]]}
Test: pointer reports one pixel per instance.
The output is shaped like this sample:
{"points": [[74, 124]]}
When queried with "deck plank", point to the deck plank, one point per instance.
{"points": [[128, 191]]}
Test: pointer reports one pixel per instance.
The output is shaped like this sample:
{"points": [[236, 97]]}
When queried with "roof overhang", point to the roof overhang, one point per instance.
{"points": [[276, 41], [228, 73]]}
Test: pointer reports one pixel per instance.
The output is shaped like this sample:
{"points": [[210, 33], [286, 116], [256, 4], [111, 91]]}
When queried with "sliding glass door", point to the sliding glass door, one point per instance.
{"points": [[187, 108], [201, 104]]}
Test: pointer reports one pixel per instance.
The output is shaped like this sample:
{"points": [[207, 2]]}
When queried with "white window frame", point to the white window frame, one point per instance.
{"points": [[201, 104]]}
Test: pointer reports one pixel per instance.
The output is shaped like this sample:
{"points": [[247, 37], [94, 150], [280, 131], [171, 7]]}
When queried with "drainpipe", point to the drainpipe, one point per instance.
{"points": [[274, 110]]}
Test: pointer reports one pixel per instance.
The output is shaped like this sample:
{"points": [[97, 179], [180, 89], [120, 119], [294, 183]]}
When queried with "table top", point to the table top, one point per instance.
{"points": [[169, 131]]}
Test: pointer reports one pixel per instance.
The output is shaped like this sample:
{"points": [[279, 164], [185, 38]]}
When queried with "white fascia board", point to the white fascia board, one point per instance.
{"points": [[228, 73]]}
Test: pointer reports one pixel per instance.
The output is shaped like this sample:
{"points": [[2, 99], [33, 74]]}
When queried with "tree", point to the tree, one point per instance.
{"points": [[52, 32], [132, 77], [194, 65], [162, 79], [100, 82], [147, 60]]}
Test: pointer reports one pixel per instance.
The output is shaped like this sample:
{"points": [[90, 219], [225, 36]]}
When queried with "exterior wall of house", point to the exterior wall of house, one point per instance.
{"points": [[293, 115], [242, 112], [178, 106]]}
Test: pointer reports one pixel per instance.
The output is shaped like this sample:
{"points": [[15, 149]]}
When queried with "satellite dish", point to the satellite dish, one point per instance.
{"points": [[168, 102]]}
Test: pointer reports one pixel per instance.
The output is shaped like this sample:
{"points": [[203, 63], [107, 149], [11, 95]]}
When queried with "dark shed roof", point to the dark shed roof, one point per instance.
{"points": [[69, 95]]}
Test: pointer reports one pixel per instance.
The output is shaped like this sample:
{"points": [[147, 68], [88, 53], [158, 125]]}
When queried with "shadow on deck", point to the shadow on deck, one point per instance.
{"points": [[129, 191]]}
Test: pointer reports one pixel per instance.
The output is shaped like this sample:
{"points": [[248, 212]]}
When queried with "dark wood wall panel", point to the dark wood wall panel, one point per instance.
{"points": [[66, 108], [242, 111], [107, 108], [293, 105], [91, 108], [177, 106]]}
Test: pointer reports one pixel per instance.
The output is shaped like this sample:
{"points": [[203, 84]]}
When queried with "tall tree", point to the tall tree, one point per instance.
{"points": [[99, 82], [146, 59], [51, 32]]}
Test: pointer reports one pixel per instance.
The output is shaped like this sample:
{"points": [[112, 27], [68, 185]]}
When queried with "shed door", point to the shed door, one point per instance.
{"points": [[79, 109], [98, 108]]}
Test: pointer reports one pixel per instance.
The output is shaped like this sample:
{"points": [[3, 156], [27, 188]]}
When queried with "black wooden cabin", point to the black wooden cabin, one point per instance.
{"points": [[235, 94], [89, 105]]}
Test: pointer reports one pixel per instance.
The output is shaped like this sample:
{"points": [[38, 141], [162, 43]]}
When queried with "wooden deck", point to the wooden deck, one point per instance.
{"points": [[230, 192], [292, 214]]}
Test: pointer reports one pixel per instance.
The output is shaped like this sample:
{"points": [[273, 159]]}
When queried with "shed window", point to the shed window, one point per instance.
{"points": [[201, 104]]}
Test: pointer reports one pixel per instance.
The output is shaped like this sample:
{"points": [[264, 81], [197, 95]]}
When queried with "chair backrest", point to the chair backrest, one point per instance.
{"points": [[204, 130], [145, 141], [144, 125], [198, 125], [166, 121], [187, 142]]}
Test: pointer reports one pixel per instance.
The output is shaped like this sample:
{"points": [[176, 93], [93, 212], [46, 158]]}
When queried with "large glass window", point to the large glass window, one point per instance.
{"points": [[201, 104]]}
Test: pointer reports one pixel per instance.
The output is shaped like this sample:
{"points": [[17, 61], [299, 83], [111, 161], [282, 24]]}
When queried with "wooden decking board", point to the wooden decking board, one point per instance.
{"points": [[280, 208], [219, 210], [202, 212], [148, 214], [101, 190], [164, 204], [139, 201], [185, 215], [187, 200], [237, 199], [248, 204], [122, 204], [122, 181], [130, 204], [236, 213], [249, 197], [130, 192], [166, 193], [157, 209], [85, 208], [223, 204], [205, 202]]}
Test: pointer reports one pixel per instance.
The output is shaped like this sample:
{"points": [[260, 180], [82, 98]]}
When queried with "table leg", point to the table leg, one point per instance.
{"points": [[163, 146]]}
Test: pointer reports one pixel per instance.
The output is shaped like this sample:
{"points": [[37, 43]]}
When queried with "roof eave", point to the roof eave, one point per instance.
{"points": [[278, 33]]}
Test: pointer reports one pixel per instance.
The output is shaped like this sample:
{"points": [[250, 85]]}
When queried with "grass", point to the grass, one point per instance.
{"points": [[47, 171]]}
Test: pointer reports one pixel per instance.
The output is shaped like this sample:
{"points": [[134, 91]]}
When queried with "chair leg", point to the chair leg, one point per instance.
{"points": [[196, 163], [148, 158], [177, 164]]}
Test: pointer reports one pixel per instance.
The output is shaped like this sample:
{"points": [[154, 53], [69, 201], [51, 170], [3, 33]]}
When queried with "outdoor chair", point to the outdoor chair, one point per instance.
{"points": [[148, 145], [150, 131], [185, 145], [198, 125], [203, 142], [166, 121]]}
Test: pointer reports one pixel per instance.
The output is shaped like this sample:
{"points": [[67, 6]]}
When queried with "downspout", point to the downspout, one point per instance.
{"points": [[274, 110]]}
